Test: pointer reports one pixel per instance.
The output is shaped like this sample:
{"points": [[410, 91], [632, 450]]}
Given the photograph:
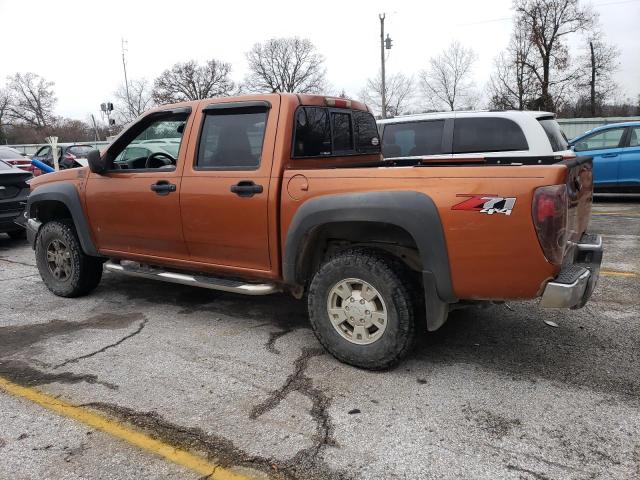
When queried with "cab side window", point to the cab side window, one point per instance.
{"points": [[152, 144], [231, 139]]}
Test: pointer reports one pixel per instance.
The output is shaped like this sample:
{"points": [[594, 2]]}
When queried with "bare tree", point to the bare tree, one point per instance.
{"points": [[447, 80], [512, 84], [548, 23], [190, 81], [598, 64], [139, 99], [285, 65], [31, 100], [4, 110], [399, 93]]}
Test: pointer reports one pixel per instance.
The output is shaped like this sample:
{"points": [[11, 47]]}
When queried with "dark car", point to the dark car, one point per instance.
{"points": [[67, 155], [17, 159], [13, 197]]}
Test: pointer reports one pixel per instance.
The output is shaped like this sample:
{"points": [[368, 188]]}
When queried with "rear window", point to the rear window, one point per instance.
{"points": [[321, 132], [486, 134], [81, 151], [412, 139], [555, 134], [10, 154]]}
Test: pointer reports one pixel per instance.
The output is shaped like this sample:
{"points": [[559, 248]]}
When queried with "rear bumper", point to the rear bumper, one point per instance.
{"points": [[574, 285]]}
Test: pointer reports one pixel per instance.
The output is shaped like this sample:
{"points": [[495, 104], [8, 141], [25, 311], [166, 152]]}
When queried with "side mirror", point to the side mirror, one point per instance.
{"points": [[97, 164]]}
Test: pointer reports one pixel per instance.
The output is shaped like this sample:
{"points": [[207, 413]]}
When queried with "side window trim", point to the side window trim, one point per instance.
{"points": [[217, 108]]}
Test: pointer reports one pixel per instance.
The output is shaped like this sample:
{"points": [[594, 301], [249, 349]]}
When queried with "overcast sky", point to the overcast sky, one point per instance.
{"points": [[77, 44]]}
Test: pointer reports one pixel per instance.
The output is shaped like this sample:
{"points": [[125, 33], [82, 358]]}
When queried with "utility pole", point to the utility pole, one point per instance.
{"points": [[385, 43], [384, 80], [126, 81]]}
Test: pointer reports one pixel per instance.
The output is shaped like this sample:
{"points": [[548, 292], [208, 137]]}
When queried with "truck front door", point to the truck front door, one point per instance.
{"points": [[134, 207], [225, 185]]}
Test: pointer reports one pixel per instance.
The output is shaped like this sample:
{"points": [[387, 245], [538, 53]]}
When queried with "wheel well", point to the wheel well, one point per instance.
{"points": [[326, 240], [48, 210]]}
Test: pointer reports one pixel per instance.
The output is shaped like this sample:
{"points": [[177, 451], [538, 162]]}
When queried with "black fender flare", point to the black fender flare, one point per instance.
{"points": [[67, 194], [414, 212]]}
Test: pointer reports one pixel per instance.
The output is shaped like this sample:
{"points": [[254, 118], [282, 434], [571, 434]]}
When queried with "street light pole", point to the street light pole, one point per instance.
{"points": [[384, 86]]}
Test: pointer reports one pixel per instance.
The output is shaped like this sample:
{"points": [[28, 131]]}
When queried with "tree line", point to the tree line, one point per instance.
{"points": [[537, 70]]}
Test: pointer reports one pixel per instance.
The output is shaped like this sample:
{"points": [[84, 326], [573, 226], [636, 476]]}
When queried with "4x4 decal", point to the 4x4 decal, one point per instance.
{"points": [[486, 203]]}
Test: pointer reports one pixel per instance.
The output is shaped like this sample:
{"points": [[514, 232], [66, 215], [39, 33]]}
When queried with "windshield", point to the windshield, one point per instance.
{"points": [[554, 134]]}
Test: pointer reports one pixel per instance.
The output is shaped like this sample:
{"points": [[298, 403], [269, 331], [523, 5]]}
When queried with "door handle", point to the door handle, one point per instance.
{"points": [[246, 188], [163, 187], [609, 155]]}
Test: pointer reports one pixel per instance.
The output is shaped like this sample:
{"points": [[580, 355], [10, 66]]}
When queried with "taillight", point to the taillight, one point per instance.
{"points": [[550, 207]]}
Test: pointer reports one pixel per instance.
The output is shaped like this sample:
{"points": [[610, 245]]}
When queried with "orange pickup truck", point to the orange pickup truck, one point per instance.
{"points": [[282, 192]]}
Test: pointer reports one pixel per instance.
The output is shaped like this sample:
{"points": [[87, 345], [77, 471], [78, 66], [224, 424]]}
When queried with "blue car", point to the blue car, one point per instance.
{"points": [[615, 150]]}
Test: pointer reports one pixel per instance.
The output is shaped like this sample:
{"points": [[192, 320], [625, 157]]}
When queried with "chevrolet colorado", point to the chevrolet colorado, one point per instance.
{"points": [[286, 192]]}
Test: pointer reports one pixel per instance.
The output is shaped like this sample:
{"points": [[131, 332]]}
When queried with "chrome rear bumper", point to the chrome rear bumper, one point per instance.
{"points": [[574, 285]]}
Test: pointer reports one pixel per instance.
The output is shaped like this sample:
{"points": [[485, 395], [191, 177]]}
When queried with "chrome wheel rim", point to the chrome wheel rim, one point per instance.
{"points": [[59, 260], [357, 311]]}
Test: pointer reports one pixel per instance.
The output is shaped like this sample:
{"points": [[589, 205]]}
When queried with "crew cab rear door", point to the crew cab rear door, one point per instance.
{"points": [[225, 184]]}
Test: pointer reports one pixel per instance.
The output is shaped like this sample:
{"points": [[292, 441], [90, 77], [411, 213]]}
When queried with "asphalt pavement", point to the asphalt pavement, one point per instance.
{"points": [[242, 383]]}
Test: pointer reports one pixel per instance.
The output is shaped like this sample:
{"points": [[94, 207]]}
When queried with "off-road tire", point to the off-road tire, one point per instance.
{"points": [[86, 271], [17, 234], [393, 280]]}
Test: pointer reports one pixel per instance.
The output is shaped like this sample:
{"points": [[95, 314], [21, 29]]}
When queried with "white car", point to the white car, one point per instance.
{"points": [[509, 133]]}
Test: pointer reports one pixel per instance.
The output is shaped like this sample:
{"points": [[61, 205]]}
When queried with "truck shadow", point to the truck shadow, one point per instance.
{"points": [[585, 350]]}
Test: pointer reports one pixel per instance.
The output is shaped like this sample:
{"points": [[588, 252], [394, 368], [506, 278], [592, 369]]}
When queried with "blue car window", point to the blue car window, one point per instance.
{"points": [[634, 139], [600, 140]]}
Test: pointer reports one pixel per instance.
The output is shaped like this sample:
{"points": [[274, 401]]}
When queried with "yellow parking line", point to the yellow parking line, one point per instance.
{"points": [[612, 273], [118, 430]]}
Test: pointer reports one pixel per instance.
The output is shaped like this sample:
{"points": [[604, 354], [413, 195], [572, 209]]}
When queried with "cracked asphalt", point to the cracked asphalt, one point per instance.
{"points": [[496, 393]]}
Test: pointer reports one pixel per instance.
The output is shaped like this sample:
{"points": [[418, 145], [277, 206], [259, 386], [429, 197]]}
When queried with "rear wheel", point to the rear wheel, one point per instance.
{"points": [[63, 266], [362, 308]]}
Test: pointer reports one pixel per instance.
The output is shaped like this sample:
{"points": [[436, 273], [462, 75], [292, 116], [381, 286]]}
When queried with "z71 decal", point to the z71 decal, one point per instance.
{"points": [[486, 203]]}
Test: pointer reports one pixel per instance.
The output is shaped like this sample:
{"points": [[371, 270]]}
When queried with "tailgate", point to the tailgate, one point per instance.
{"points": [[580, 194]]}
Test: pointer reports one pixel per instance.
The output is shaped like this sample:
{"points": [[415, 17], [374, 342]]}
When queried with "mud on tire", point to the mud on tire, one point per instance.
{"points": [[63, 266], [393, 283]]}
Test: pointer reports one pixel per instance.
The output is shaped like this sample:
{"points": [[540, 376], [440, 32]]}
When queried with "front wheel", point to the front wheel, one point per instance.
{"points": [[362, 310], [65, 269]]}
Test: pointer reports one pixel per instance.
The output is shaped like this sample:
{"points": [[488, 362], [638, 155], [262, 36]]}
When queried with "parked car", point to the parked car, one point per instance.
{"points": [[68, 155], [615, 150], [17, 159], [284, 192], [460, 134], [13, 197]]}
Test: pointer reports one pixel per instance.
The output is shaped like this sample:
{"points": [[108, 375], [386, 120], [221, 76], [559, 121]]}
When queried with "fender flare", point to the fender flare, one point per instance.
{"points": [[414, 212], [67, 194]]}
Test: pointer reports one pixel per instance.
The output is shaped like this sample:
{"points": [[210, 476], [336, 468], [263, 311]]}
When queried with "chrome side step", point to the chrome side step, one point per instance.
{"points": [[144, 271]]}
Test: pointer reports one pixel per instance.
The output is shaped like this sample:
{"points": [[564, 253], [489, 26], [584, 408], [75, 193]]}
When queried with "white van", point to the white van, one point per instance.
{"points": [[509, 133]]}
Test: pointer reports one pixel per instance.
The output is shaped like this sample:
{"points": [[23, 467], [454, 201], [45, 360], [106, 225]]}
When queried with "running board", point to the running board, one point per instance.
{"points": [[136, 270]]}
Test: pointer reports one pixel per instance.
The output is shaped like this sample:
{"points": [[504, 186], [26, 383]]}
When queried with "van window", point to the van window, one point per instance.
{"points": [[232, 140], [412, 139], [321, 132], [487, 134], [555, 135]]}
